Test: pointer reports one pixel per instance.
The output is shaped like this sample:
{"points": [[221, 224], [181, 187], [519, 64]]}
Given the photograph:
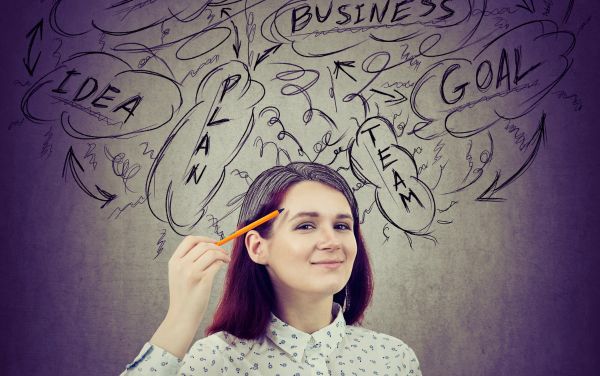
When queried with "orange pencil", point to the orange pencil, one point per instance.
{"points": [[252, 225]]}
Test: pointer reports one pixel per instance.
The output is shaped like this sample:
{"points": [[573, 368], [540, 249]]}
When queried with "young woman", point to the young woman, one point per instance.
{"points": [[295, 292]]}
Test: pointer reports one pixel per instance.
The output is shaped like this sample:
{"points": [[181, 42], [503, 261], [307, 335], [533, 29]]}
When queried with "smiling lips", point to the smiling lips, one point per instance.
{"points": [[329, 264]]}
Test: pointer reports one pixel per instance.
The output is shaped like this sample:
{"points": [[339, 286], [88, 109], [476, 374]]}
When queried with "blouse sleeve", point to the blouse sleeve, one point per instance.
{"points": [[203, 358], [155, 360]]}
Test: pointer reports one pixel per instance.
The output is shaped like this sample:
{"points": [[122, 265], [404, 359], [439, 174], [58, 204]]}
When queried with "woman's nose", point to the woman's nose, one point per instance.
{"points": [[329, 239]]}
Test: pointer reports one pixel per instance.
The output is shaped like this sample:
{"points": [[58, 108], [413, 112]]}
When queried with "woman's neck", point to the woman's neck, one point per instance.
{"points": [[306, 314]]}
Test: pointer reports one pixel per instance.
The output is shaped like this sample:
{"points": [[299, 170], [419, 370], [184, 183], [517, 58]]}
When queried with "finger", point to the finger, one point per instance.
{"points": [[206, 269], [188, 243], [204, 262], [214, 268], [209, 247], [199, 250]]}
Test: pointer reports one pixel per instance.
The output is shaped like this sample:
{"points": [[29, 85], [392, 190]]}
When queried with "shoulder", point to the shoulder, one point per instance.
{"points": [[220, 344], [373, 337], [404, 356], [206, 355], [213, 344], [406, 360], [395, 342]]}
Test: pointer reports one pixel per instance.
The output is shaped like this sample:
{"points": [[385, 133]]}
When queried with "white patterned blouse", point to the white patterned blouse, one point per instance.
{"points": [[337, 349]]}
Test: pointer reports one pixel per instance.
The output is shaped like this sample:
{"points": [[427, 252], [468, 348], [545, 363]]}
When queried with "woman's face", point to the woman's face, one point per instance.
{"points": [[316, 226]]}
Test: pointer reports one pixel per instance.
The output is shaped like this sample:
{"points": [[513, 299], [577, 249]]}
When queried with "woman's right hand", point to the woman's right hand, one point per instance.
{"points": [[192, 268]]}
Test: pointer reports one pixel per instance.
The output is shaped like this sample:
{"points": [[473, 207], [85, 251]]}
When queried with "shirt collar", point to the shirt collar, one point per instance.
{"points": [[296, 342]]}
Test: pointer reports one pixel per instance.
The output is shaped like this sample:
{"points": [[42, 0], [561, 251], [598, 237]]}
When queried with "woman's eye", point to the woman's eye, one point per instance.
{"points": [[303, 226]]}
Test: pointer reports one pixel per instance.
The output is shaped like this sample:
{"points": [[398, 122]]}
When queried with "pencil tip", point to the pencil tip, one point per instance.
{"points": [[280, 210]]}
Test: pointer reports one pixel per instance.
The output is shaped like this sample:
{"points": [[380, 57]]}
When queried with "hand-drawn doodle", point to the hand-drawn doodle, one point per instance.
{"points": [[346, 25], [178, 190], [403, 199], [420, 105], [102, 87], [30, 64]]}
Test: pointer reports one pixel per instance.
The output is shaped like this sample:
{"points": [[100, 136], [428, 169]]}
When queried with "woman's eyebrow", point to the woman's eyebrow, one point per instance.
{"points": [[316, 214]]}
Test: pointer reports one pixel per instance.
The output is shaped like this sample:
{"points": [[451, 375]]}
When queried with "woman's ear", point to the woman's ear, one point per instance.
{"points": [[255, 245]]}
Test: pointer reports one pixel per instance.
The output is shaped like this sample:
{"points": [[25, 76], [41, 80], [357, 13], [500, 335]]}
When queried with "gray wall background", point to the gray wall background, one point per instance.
{"points": [[498, 283]]}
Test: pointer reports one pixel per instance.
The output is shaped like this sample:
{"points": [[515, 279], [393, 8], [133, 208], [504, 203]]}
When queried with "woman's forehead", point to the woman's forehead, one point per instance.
{"points": [[307, 191], [313, 199]]}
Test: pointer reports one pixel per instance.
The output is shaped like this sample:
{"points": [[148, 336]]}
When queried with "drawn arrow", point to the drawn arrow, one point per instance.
{"points": [[224, 11], [528, 7], [538, 137], [71, 162], [266, 54], [394, 99], [339, 66], [237, 44], [31, 35]]}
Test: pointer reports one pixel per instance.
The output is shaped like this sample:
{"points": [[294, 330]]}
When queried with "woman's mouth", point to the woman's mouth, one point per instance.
{"points": [[329, 265]]}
